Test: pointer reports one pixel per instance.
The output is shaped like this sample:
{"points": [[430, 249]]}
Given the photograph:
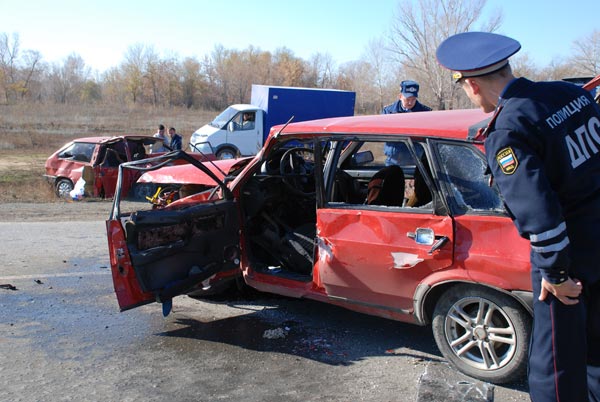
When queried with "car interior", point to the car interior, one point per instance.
{"points": [[279, 200]]}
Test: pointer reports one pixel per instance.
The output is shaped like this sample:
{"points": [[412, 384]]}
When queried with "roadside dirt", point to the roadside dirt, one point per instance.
{"points": [[60, 211]]}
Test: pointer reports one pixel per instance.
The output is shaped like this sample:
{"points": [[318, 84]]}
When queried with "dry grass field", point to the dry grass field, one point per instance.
{"points": [[32, 132]]}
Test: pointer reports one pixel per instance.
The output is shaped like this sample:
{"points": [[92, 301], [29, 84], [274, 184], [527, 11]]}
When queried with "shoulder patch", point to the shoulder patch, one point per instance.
{"points": [[507, 160]]}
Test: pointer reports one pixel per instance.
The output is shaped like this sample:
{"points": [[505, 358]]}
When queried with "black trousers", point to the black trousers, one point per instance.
{"points": [[564, 354]]}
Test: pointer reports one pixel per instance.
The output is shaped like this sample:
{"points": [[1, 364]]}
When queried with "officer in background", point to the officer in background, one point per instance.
{"points": [[543, 149], [396, 152]]}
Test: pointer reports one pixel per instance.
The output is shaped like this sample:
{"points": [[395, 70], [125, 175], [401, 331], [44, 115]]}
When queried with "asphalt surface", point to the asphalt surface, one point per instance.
{"points": [[62, 337]]}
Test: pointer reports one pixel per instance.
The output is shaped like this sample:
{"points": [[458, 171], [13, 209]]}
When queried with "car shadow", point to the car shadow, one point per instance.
{"points": [[312, 330], [309, 329]]}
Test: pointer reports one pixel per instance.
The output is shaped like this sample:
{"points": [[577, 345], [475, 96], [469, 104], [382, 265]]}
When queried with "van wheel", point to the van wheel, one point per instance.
{"points": [[63, 187], [484, 333], [226, 153]]}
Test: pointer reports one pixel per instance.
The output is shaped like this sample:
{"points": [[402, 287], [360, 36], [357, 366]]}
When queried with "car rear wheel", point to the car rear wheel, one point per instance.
{"points": [[226, 153], [484, 333], [63, 187]]}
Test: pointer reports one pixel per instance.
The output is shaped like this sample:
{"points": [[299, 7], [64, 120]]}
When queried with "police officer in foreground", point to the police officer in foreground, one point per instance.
{"points": [[543, 148], [396, 152]]}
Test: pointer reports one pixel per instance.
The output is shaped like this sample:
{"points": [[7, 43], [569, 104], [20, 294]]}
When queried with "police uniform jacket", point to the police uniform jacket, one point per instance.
{"points": [[397, 152], [543, 149], [396, 107]]}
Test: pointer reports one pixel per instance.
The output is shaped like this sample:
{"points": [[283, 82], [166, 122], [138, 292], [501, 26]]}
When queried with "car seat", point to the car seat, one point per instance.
{"points": [[421, 194], [386, 187], [345, 189]]}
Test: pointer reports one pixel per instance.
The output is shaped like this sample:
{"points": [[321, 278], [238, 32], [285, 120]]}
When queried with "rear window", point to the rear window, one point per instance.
{"points": [[464, 170]]}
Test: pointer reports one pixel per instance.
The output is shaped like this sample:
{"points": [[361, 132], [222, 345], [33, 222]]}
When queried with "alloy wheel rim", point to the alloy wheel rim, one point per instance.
{"points": [[480, 334]]}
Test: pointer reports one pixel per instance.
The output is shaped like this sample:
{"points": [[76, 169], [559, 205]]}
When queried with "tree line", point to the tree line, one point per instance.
{"points": [[225, 76]]}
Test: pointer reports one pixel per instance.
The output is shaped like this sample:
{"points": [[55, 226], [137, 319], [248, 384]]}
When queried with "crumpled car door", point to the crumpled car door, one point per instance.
{"points": [[158, 254]]}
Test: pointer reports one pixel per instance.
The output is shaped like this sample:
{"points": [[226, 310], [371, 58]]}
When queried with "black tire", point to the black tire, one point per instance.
{"points": [[483, 332], [63, 187], [226, 153]]}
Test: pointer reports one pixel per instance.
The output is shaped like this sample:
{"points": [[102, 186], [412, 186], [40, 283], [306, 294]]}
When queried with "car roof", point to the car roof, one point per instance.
{"points": [[455, 124], [103, 140]]}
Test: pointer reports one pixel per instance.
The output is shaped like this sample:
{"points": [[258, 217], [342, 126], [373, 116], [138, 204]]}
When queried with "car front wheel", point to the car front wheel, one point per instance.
{"points": [[226, 153], [63, 187], [484, 333]]}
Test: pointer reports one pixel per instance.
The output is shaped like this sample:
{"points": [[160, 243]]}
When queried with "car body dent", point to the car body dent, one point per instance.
{"points": [[189, 174]]}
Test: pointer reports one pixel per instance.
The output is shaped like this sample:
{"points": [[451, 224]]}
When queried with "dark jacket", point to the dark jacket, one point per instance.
{"points": [[396, 107], [544, 152]]}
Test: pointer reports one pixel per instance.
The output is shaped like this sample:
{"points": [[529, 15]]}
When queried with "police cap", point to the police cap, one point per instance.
{"points": [[409, 88], [473, 54]]}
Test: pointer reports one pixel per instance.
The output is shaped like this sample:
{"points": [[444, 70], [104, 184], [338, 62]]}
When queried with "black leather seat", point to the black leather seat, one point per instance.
{"points": [[387, 187]]}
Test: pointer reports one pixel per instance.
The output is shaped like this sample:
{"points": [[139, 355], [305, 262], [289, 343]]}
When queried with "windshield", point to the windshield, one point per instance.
{"points": [[221, 120], [80, 151]]}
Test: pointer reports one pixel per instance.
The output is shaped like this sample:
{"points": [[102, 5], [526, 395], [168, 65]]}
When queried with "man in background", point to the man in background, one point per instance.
{"points": [[175, 140], [160, 133], [396, 152]]}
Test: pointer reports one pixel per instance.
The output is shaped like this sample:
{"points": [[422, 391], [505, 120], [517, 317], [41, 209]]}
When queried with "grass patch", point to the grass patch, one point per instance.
{"points": [[30, 133]]}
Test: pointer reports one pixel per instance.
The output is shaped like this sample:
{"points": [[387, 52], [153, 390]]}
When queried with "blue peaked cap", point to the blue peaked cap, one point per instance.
{"points": [[409, 88], [472, 54]]}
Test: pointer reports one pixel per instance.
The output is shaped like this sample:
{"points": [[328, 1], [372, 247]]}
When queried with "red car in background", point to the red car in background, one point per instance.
{"points": [[97, 160], [317, 215]]}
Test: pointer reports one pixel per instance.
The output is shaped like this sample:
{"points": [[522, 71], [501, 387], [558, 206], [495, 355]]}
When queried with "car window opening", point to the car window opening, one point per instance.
{"points": [[367, 181], [280, 215]]}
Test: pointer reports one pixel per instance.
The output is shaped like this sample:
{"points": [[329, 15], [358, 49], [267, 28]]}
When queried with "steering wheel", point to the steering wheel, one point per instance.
{"points": [[296, 172]]}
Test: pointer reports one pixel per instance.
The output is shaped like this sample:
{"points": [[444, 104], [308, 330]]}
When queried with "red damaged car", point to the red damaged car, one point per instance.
{"points": [[317, 215], [97, 160]]}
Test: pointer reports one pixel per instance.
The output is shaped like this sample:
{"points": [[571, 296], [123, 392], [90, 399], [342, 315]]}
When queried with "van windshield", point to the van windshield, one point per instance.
{"points": [[222, 119]]}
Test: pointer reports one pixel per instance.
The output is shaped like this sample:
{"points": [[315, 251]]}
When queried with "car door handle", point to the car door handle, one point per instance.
{"points": [[426, 236]]}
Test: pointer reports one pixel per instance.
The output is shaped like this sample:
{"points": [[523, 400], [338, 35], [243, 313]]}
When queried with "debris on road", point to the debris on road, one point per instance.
{"points": [[277, 333]]}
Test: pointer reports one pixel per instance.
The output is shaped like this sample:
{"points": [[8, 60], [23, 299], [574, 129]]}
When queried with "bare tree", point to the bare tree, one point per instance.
{"points": [[113, 87], [219, 78], [192, 82], [66, 80], [382, 80], [354, 75], [320, 71], [288, 69], [9, 49], [18, 70], [132, 70], [30, 71], [586, 57], [417, 32]]}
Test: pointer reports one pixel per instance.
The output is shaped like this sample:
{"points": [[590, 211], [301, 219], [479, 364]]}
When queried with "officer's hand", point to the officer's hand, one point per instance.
{"points": [[567, 292]]}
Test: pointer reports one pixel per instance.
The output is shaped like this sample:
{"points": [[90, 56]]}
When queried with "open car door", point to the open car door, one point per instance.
{"points": [[158, 254]]}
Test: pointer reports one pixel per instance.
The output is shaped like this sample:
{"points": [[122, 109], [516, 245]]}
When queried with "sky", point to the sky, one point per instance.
{"points": [[102, 31]]}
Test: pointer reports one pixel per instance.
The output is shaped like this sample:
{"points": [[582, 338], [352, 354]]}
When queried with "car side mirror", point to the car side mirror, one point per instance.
{"points": [[231, 126], [361, 158]]}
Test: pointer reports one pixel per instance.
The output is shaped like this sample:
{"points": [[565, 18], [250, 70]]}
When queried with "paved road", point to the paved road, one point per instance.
{"points": [[63, 339]]}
